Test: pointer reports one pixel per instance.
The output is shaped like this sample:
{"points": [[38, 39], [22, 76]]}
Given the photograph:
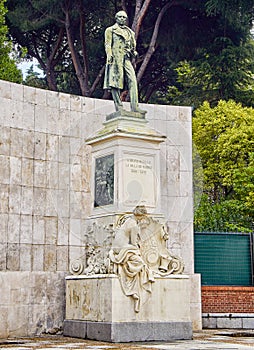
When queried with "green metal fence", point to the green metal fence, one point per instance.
{"points": [[224, 258]]}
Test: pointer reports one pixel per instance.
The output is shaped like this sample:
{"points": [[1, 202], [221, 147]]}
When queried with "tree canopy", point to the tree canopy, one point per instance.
{"points": [[8, 68], [223, 136], [178, 41], [225, 72]]}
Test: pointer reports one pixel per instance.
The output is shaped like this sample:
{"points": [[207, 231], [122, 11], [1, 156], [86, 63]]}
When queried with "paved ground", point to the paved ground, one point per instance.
{"points": [[207, 339]]}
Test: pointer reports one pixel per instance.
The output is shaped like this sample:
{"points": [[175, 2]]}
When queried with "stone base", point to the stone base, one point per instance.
{"points": [[128, 114], [128, 331], [97, 308], [229, 321]]}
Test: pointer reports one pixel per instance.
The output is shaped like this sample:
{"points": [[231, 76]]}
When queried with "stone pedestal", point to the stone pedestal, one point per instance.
{"points": [[125, 166], [132, 288], [96, 308]]}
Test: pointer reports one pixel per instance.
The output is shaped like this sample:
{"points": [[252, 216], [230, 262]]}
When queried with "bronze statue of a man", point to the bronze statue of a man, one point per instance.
{"points": [[120, 47]]}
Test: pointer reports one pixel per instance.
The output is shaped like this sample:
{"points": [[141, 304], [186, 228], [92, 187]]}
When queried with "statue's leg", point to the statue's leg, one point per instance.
{"points": [[116, 97], [132, 85]]}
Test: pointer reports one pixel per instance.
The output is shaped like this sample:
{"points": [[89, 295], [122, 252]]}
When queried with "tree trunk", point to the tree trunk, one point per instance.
{"points": [[47, 68], [151, 48], [54, 53], [140, 11], [97, 80], [75, 59], [53, 59], [51, 78], [83, 46]]}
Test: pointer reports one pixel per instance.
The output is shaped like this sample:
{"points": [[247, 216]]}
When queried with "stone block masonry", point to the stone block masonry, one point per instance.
{"points": [[45, 198], [31, 303]]}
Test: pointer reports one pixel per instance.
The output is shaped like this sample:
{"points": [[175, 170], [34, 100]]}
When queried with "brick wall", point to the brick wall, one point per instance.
{"points": [[227, 299]]}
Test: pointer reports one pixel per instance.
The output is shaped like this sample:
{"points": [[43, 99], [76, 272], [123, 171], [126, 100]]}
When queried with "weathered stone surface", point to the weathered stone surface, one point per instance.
{"points": [[64, 176], [128, 332], [38, 230], [39, 145], [13, 228], [31, 303], [62, 258], [50, 258], [51, 228], [26, 257], [100, 298], [96, 308], [3, 227], [3, 256], [46, 193], [40, 173], [26, 200], [26, 228], [27, 172], [12, 255], [39, 200], [28, 143], [15, 171], [248, 322], [41, 117], [225, 322], [37, 257], [28, 113]]}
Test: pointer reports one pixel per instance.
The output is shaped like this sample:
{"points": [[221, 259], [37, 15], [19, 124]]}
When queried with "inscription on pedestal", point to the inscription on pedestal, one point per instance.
{"points": [[139, 180], [104, 181]]}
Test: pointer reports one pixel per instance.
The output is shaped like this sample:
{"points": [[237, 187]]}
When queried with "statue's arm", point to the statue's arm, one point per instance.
{"points": [[108, 45], [133, 51]]}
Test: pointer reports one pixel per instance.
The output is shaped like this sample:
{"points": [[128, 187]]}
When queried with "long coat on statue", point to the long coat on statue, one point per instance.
{"points": [[120, 43]]}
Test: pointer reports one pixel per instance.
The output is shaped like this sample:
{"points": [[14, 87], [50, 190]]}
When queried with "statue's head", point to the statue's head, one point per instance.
{"points": [[140, 210], [121, 17]]}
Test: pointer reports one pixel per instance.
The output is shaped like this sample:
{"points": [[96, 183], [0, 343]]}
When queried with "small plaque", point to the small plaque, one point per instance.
{"points": [[104, 181], [139, 179]]}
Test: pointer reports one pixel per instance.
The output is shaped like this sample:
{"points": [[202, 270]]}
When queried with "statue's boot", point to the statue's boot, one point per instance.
{"points": [[138, 110]]}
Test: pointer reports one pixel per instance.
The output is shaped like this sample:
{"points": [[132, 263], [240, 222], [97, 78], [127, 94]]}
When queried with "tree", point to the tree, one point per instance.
{"points": [[66, 36], [219, 67], [34, 79], [8, 68], [224, 72], [224, 137], [41, 35]]}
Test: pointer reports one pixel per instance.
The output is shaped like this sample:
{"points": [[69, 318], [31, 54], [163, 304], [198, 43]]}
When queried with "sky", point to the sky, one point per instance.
{"points": [[24, 66]]}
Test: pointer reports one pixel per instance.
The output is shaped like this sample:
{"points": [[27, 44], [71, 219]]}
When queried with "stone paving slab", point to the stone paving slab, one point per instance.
{"points": [[207, 339]]}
